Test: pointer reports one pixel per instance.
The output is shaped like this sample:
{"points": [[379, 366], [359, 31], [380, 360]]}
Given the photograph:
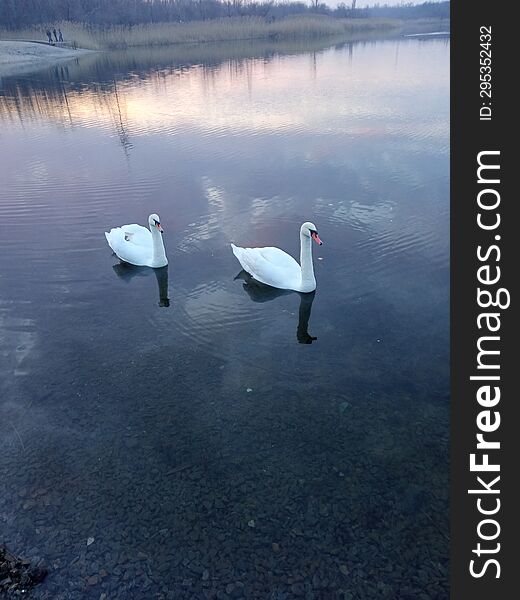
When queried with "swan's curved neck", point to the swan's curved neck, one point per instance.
{"points": [[159, 254], [306, 260]]}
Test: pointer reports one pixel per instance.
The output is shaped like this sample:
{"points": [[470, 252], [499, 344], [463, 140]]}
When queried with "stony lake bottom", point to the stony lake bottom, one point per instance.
{"points": [[177, 434]]}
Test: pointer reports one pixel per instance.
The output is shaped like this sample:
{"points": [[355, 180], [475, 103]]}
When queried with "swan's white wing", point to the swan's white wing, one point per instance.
{"points": [[271, 266], [132, 244], [138, 235]]}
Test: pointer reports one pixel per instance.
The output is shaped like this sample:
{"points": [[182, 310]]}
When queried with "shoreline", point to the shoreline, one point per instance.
{"points": [[18, 56], [26, 56]]}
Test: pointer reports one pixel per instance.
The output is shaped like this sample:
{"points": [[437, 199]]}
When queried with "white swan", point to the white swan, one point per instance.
{"points": [[278, 269], [137, 245]]}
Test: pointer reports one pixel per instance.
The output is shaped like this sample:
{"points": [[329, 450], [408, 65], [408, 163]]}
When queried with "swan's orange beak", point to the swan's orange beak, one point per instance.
{"points": [[316, 238], [159, 227]]}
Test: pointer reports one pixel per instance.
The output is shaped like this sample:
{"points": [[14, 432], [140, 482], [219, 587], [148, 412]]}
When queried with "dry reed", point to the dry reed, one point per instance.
{"points": [[230, 29]]}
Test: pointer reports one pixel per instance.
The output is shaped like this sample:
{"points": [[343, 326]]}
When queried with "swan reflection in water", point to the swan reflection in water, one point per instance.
{"points": [[127, 272], [259, 292]]}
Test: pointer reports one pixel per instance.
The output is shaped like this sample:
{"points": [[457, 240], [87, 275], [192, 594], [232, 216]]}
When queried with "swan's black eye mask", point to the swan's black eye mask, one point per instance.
{"points": [[315, 237]]}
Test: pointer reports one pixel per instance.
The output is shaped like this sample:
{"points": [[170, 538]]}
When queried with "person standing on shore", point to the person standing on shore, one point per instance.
{"points": [[60, 35], [55, 34], [48, 32]]}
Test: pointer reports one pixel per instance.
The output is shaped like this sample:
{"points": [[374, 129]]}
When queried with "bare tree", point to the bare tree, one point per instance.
{"points": [[21, 13]]}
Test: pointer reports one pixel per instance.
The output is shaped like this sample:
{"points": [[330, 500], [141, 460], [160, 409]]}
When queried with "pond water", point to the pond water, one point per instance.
{"points": [[177, 434]]}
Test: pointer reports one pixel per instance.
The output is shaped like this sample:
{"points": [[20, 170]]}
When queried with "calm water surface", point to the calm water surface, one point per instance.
{"points": [[179, 420]]}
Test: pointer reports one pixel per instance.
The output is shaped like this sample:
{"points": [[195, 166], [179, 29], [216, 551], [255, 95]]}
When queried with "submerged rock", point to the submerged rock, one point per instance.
{"points": [[17, 575]]}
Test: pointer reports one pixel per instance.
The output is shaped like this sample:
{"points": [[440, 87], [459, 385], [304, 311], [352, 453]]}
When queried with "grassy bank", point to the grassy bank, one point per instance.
{"points": [[241, 28]]}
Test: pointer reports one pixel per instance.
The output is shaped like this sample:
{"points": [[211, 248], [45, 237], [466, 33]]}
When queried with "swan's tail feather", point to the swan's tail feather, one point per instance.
{"points": [[237, 251], [240, 253], [107, 235]]}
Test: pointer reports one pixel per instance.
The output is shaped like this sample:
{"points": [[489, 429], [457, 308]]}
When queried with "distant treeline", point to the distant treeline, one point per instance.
{"points": [[15, 14]]}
